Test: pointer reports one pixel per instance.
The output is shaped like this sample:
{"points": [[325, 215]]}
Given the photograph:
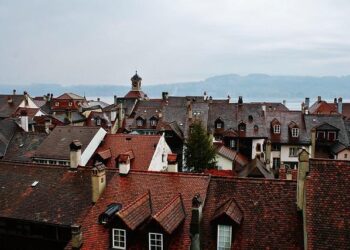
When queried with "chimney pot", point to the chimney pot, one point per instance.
{"points": [[240, 100], [75, 154], [340, 105], [14, 92], [319, 98], [98, 180], [77, 236], [98, 99]]}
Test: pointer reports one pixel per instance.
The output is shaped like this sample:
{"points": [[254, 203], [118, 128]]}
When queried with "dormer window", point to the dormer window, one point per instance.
{"points": [[224, 240], [295, 132], [98, 122], [70, 104], [155, 241], [219, 124], [242, 127], [277, 129], [57, 104], [153, 122], [321, 135], [250, 118], [139, 122], [332, 136], [118, 238]]}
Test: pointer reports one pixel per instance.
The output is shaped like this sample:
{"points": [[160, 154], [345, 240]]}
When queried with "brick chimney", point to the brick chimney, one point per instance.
{"points": [[303, 169], [313, 142], [75, 154], [24, 121], [98, 180], [340, 105], [77, 236], [172, 163], [197, 206]]}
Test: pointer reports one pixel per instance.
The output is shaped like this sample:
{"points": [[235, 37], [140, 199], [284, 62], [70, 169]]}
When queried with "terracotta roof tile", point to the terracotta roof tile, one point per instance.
{"points": [[171, 216], [136, 212], [142, 146], [231, 210]]}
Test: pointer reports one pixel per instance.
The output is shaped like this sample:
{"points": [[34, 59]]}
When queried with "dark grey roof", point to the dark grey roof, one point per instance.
{"points": [[285, 118], [8, 128], [312, 121], [8, 108]]}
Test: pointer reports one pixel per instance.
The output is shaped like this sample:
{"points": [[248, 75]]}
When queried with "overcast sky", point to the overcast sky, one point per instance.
{"points": [[90, 42]]}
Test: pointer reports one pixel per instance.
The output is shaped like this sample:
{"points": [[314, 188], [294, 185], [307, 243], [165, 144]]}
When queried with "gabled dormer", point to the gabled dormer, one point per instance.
{"points": [[294, 130], [227, 219], [219, 123], [242, 127], [153, 121], [276, 127], [140, 121], [327, 132]]}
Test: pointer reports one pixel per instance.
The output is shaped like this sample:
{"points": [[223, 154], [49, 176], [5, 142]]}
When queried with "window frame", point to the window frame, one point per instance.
{"points": [[232, 143], [295, 132], [114, 246], [275, 130], [319, 133], [153, 122], [155, 245], [295, 149], [218, 247], [139, 122], [57, 104], [335, 135]]}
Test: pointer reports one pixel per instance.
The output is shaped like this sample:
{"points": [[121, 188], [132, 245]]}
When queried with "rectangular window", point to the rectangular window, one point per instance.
{"points": [[224, 237], [331, 136], [345, 156], [276, 147], [321, 135], [70, 104], [295, 132], [118, 238], [293, 152], [218, 125], [276, 163], [155, 241], [232, 143], [277, 129], [139, 122], [57, 104]]}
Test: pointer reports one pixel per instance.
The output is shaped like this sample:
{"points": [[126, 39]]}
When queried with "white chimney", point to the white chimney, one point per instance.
{"points": [[340, 105], [24, 121], [75, 154], [124, 164]]}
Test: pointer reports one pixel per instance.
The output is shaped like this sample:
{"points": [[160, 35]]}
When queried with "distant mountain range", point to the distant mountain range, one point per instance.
{"points": [[254, 86]]}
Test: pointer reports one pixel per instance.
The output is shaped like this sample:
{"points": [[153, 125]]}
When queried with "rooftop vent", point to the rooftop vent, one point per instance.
{"points": [[35, 183], [109, 213]]}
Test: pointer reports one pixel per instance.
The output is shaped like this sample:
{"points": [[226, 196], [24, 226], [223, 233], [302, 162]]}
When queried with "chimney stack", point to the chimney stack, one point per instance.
{"points": [[172, 163], [303, 169], [98, 180], [14, 92], [284, 102], [240, 100], [319, 99], [313, 142], [120, 115], [205, 96], [268, 154], [197, 206], [340, 105], [307, 102], [98, 99], [24, 121], [210, 99], [77, 236], [189, 109], [124, 164], [75, 154], [229, 98], [165, 96]]}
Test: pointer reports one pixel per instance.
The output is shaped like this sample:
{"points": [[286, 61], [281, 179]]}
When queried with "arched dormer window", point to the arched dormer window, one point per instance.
{"points": [[242, 127], [139, 121], [219, 123], [276, 126], [153, 121], [250, 118]]}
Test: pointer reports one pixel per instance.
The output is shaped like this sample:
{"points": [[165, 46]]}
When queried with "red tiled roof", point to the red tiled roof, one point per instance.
{"points": [[216, 172], [171, 216], [105, 154], [271, 220], [136, 212], [70, 96], [162, 187], [323, 107], [135, 94], [142, 146], [327, 204], [231, 210]]}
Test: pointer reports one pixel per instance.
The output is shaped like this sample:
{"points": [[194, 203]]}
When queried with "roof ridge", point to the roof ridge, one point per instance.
{"points": [[167, 205], [135, 201]]}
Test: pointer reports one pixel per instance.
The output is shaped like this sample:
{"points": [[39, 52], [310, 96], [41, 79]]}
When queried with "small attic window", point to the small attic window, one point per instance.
{"points": [[34, 183], [139, 122], [242, 127], [219, 123], [256, 127], [250, 118], [57, 104]]}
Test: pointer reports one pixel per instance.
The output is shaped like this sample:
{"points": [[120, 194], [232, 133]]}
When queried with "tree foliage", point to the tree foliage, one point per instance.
{"points": [[199, 151]]}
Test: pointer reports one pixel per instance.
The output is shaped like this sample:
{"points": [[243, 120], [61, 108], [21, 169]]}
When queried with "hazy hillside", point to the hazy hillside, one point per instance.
{"points": [[255, 86]]}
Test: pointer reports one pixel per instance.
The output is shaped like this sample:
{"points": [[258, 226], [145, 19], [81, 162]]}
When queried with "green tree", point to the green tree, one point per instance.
{"points": [[199, 151]]}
